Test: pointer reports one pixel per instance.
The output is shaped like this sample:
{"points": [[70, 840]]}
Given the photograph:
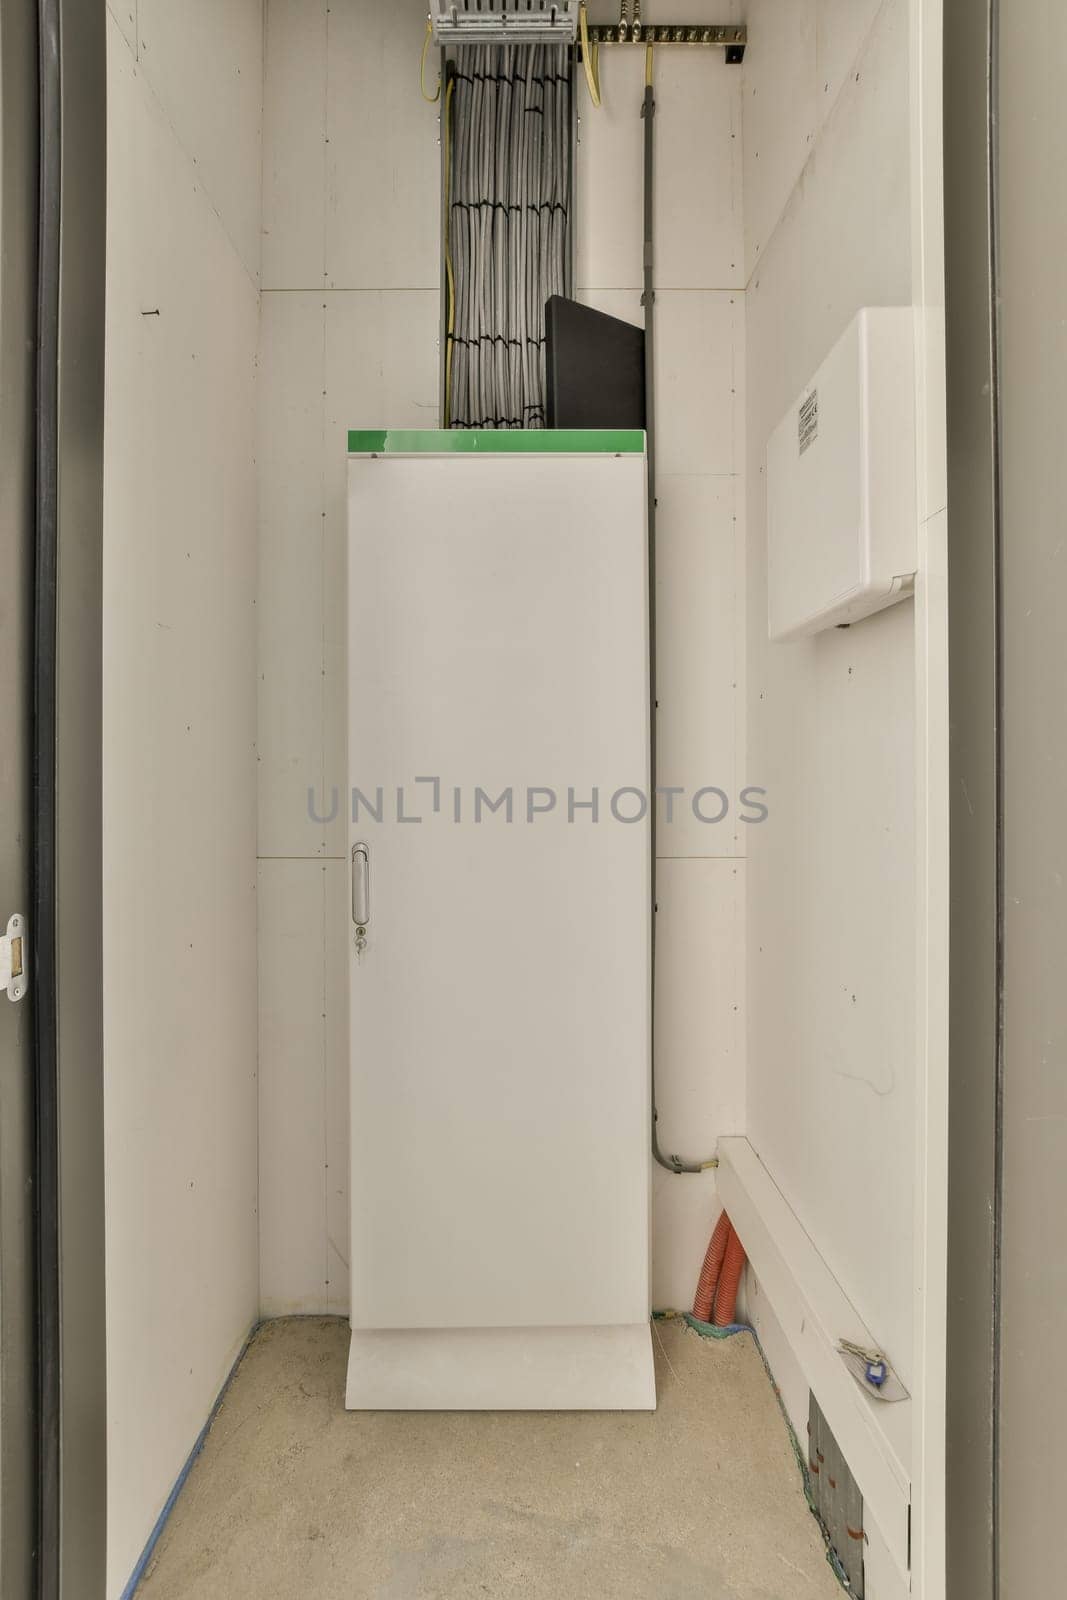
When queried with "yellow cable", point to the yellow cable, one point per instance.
{"points": [[431, 98], [450, 327], [590, 57], [648, 66]]}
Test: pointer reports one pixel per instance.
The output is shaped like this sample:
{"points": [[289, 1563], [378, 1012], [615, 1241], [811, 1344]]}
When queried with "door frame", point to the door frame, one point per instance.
{"points": [[18, 319], [66, 909], [976, 870]]}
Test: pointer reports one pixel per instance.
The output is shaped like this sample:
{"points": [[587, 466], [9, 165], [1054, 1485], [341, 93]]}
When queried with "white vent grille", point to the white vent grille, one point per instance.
{"points": [[505, 21]]}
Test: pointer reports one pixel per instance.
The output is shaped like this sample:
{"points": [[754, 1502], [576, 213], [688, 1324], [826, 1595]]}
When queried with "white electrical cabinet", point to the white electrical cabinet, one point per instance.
{"points": [[500, 923], [841, 502]]}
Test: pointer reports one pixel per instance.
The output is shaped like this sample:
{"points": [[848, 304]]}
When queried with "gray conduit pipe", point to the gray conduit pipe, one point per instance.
{"points": [[672, 1163]]}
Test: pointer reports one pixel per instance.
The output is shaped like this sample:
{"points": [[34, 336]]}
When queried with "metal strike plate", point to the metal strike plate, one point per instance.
{"points": [[14, 958]]}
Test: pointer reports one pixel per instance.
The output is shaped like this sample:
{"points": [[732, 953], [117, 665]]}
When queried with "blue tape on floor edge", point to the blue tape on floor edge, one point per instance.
{"points": [[161, 1521]]}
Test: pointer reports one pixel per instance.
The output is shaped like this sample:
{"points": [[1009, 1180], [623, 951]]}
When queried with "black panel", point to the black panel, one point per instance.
{"points": [[596, 368]]}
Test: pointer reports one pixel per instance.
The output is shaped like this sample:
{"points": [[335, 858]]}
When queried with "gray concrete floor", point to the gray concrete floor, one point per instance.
{"points": [[294, 1497]]}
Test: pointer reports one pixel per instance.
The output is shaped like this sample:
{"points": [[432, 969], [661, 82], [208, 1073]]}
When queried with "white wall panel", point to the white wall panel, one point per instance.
{"points": [[843, 26], [845, 237], [698, 214], [700, 370], [381, 367], [205, 63], [700, 1020], [337, 908], [698, 173], [383, 156], [685, 1208], [179, 908], [291, 576], [294, 133], [830, 1101], [699, 569], [781, 112], [124, 13], [292, 1087]]}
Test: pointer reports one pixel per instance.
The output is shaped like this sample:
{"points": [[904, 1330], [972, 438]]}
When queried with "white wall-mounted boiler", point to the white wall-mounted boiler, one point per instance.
{"points": [[841, 506]]}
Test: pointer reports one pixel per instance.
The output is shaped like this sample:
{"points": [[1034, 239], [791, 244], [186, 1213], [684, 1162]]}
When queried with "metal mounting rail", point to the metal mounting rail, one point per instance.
{"points": [[732, 37]]}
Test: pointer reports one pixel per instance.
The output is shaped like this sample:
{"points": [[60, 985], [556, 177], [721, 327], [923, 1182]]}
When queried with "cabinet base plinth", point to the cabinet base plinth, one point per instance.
{"points": [[501, 1369]]}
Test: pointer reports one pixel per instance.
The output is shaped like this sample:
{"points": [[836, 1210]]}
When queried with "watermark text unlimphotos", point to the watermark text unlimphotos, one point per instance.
{"points": [[425, 797]]}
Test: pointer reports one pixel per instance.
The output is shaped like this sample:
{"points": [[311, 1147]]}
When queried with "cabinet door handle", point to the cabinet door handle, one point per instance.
{"points": [[360, 885]]}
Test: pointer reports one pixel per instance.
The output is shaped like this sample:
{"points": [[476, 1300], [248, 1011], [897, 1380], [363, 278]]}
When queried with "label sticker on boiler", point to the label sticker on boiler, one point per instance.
{"points": [[808, 421]]}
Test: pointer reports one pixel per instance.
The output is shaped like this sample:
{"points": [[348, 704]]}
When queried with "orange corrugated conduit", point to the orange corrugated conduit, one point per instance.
{"points": [[729, 1281], [709, 1272], [720, 1276]]}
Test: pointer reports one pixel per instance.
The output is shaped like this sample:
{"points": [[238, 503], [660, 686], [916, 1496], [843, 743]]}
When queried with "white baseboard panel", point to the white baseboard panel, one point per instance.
{"points": [[501, 1369], [815, 1314]]}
